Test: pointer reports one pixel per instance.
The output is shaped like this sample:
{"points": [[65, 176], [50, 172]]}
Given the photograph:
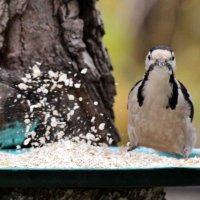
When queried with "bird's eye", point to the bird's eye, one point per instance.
{"points": [[149, 57], [173, 58]]}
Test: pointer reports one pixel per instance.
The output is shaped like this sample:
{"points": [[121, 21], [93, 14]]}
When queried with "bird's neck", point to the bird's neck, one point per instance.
{"points": [[159, 75], [158, 90]]}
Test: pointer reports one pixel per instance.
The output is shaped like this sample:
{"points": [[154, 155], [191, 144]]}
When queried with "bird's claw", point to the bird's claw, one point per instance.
{"points": [[131, 148]]}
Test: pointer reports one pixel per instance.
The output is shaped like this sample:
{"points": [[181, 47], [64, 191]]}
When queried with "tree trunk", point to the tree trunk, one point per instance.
{"points": [[39, 40], [77, 194], [65, 37]]}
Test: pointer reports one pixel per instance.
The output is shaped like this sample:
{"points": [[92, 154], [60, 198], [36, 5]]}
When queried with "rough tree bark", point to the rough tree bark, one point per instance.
{"points": [[64, 36], [79, 194]]}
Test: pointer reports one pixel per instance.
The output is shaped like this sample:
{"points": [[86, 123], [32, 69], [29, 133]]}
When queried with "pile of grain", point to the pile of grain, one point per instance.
{"points": [[68, 154]]}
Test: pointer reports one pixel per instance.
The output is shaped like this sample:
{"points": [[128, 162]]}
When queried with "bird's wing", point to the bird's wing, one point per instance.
{"points": [[133, 88], [187, 98]]}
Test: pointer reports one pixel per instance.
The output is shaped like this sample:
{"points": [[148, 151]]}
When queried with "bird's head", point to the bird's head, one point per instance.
{"points": [[160, 56]]}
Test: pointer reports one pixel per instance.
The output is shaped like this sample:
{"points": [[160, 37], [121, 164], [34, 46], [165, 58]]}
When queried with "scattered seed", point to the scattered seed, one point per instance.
{"points": [[96, 103], [71, 97], [22, 86], [84, 71], [77, 85], [102, 126], [36, 71]]}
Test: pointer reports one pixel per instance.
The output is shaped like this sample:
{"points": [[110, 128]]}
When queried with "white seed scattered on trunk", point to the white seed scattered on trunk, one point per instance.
{"points": [[27, 121], [22, 86], [92, 120], [54, 122], [62, 78], [71, 97], [80, 98], [60, 134], [36, 71], [77, 85], [94, 129], [52, 74], [55, 112], [96, 103], [26, 142], [42, 140], [84, 71], [90, 136], [102, 126], [38, 63]]}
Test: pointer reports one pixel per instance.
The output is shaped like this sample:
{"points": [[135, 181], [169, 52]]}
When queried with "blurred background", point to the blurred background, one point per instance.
{"points": [[133, 27]]}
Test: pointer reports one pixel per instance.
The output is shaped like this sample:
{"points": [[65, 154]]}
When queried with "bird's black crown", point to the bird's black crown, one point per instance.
{"points": [[161, 47]]}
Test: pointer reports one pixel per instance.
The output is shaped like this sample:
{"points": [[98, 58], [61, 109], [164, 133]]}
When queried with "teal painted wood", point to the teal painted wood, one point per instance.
{"points": [[14, 133], [195, 152]]}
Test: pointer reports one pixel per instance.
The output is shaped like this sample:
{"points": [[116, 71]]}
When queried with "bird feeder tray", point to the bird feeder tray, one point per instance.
{"points": [[101, 178]]}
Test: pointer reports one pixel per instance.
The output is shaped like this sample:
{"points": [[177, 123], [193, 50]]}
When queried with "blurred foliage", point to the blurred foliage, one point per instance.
{"points": [[133, 26]]}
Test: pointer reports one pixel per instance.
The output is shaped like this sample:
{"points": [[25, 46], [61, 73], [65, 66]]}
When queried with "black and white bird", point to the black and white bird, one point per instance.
{"points": [[160, 109]]}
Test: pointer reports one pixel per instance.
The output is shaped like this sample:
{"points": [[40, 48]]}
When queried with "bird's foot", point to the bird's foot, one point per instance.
{"points": [[131, 148], [186, 151]]}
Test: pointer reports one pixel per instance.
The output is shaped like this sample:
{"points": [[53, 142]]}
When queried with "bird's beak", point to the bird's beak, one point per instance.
{"points": [[161, 62]]}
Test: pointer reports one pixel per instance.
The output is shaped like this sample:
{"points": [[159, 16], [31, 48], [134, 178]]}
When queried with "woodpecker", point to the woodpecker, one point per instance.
{"points": [[160, 109]]}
